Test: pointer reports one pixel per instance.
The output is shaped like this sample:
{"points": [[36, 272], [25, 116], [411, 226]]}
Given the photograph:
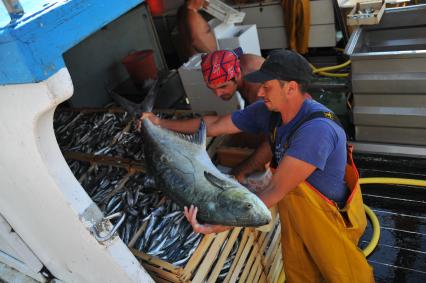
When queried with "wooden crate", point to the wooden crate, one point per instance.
{"points": [[258, 258], [356, 19]]}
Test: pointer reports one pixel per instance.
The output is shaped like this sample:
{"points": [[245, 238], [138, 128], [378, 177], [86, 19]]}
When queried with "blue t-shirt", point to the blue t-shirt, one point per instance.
{"points": [[320, 142]]}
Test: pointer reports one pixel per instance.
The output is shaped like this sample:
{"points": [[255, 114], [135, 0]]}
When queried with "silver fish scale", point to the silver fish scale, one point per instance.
{"points": [[167, 234]]}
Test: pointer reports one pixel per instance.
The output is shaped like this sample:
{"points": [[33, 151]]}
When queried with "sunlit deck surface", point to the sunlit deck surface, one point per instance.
{"points": [[401, 253]]}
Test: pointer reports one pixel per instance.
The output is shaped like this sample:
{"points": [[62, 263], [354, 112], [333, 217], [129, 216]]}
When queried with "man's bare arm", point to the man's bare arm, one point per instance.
{"points": [[202, 38], [216, 125], [290, 173], [254, 162]]}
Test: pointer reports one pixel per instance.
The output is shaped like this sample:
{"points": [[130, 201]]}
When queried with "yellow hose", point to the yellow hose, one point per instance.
{"points": [[331, 68], [376, 232], [336, 75], [393, 181], [373, 218], [324, 70]]}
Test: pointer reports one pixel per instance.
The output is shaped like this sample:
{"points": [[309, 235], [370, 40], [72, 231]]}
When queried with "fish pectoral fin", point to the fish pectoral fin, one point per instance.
{"points": [[221, 184]]}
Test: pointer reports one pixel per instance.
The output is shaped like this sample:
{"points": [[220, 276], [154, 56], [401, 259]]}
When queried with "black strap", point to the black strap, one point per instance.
{"points": [[275, 122]]}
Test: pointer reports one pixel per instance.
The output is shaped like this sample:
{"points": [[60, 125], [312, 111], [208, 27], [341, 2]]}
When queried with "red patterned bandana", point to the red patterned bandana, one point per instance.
{"points": [[219, 67]]}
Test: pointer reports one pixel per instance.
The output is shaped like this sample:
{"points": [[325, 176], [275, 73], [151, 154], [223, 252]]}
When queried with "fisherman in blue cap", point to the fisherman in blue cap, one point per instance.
{"points": [[315, 182]]}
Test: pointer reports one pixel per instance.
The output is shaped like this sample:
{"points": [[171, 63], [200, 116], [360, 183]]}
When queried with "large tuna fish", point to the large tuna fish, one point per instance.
{"points": [[183, 170]]}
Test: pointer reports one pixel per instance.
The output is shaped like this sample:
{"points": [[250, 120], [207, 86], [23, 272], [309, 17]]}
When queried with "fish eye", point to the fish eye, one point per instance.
{"points": [[249, 205]]}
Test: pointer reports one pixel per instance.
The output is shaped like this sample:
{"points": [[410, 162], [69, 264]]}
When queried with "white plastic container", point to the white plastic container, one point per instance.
{"points": [[231, 36]]}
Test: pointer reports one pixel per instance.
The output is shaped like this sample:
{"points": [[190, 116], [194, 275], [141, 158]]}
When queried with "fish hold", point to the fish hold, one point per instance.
{"points": [[183, 170]]}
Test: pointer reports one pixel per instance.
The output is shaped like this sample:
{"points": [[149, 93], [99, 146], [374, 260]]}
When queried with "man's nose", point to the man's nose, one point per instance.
{"points": [[260, 93]]}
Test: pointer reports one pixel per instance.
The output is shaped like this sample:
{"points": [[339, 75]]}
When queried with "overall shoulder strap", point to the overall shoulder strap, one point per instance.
{"points": [[274, 122], [314, 115]]}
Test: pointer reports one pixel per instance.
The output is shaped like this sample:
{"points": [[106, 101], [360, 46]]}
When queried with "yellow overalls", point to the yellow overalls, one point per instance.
{"points": [[319, 240]]}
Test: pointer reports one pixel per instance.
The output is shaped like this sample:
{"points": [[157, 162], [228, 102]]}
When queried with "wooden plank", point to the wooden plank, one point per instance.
{"points": [[137, 234], [256, 269], [279, 270], [197, 255], [211, 255], [243, 257], [259, 271], [119, 186], [270, 261], [159, 272], [249, 264], [271, 234], [275, 259], [158, 279], [243, 241], [261, 240], [124, 130], [156, 261], [129, 164], [262, 278], [224, 255], [274, 272], [275, 241]]}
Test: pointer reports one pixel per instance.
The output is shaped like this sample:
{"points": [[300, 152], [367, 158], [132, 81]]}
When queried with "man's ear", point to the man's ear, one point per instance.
{"points": [[292, 87]]}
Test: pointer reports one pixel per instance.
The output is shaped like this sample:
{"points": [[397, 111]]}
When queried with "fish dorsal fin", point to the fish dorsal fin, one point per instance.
{"points": [[221, 184], [198, 137], [201, 134]]}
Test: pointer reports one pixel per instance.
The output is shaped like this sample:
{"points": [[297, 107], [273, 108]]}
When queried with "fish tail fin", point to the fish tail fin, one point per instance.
{"points": [[131, 107], [136, 109], [148, 103]]}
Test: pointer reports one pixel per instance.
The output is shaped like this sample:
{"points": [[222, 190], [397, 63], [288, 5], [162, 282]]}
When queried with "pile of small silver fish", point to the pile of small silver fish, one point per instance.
{"points": [[166, 233], [128, 145], [89, 132], [148, 221]]}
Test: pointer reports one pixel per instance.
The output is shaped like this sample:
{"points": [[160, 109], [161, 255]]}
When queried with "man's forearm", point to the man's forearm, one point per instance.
{"points": [[216, 125], [183, 126], [290, 173], [255, 162]]}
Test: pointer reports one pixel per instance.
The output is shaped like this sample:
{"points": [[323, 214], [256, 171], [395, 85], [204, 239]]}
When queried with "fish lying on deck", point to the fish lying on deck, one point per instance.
{"points": [[183, 170]]}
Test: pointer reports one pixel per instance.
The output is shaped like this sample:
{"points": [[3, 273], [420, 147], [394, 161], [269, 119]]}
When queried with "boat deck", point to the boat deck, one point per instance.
{"points": [[401, 253]]}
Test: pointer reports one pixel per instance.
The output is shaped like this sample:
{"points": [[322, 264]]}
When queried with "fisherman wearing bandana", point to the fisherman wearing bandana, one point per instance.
{"points": [[315, 183], [223, 72]]}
